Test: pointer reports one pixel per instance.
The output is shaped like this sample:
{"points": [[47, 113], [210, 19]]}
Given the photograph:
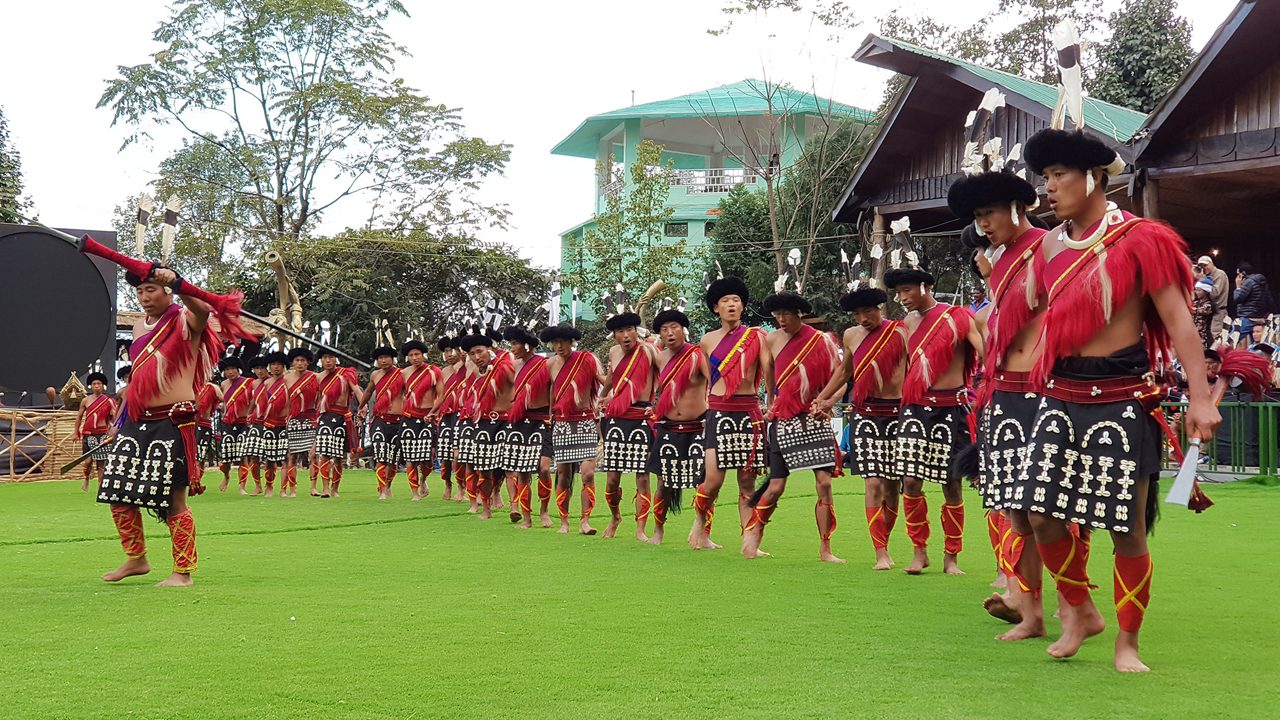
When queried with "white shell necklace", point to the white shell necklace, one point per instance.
{"points": [[1113, 216]]}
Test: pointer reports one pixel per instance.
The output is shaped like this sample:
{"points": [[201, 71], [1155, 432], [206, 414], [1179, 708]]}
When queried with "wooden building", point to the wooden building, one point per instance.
{"points": [[916, 155], [1207, 159]]}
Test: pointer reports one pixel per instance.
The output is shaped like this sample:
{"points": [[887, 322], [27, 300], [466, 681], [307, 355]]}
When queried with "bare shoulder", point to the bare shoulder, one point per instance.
{"points": [[711, 339]]}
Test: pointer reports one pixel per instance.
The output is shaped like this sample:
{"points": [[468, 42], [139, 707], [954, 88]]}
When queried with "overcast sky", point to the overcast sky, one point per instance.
{"points": [[523, 73]]}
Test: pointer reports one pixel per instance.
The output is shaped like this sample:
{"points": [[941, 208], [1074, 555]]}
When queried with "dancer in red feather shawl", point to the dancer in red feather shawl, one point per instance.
{"points": [[528, 446], [273, 408], [1117, 302], [492, 390], [942, 347], [446, 410], [804, 359], [737, 362], [576, 380], [237, 391], [253, 434], [678, 458], [152, 463], [335, 430], [386, 389], [626, 431], [304, 391], [417, 430], [93, 421], [874, 362], [207, 399], [1008, 245]]}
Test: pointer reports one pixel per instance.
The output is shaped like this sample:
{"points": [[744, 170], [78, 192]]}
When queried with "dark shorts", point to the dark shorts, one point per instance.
{"points": [[417, 440], [446, 438], [928, 438], [94, 443], [574, 441], [626, 445], [737, 438], [331, 436], [1002, 444], [801, 443], [528, 441], [274, 444], [233, 442], [489, 439], [384, 441], [465, 441], [678, 458], [1084, 461], [252, 446], [872, 443], [302, 436], [207, 446], [146, 464]]}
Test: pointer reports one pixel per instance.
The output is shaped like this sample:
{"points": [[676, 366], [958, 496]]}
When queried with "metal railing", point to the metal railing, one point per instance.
{"points": [[1246, 443], [713, 180]]}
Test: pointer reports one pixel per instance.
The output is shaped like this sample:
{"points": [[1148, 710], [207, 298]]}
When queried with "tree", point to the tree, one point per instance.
{"points": [[1027, 49], [1149, 49], [293, 107], [834, 14], [11, 201], [628, 244], [418, 283]]}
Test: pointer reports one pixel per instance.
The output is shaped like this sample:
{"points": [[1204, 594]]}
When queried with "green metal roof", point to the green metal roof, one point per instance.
{"points": [[1114, 121], [737, 99]]}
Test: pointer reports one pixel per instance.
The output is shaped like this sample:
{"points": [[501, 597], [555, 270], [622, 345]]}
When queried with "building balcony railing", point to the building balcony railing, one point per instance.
{"points": [[713, 180], [611, 189]]}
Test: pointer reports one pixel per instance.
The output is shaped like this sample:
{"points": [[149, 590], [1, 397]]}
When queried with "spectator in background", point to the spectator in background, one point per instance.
{"points": [[979, 297], [1267, 350], [1220, 294], [1252, 297], [1202, 311]]}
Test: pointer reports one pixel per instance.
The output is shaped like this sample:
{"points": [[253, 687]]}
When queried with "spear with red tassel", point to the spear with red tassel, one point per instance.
{"points": [[1253, 373]]}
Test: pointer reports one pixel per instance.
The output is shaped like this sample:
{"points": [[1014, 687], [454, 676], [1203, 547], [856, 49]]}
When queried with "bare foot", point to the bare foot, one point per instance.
{"points": [[1028, 628], [270, 492], [998, 607], [243, 491], [448, 494], [546, 520], [564, 527], [612, 528], [751, 543], [528, 523], [84, 486], [1001, 582], [222, 486], [883, 560], [176, 580], [585, 528], [918, 563], [1078, 624], [474, 507], [333, 493], [705, 543], [486, 512], [827, 557], [415, 497], [656, 538], [640, 535], [951, 564], [138, 566], [1127, 653]]}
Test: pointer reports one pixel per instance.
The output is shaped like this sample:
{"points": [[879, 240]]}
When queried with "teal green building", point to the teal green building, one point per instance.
{"points": [[706, 136]]}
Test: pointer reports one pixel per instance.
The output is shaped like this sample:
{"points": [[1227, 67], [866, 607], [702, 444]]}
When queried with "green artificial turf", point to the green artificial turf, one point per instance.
{"points": [[354, 608]]}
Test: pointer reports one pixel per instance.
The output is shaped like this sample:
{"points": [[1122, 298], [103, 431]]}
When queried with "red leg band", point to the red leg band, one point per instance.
{"points": [[1132, 590], [993, 533], [890, 518], [660, 509], [613, 498], [644, 504], [917, 509], [704, 504], [588, 500], [243, 472], [760, 517], [271, 477], [128, 519], [381, 472], [1067, 562], [1021, 565], [953, 528], [522, 498], [562, 502], [412, 472], [182, 529], [876, 527], [544, 489], [826, 519]]}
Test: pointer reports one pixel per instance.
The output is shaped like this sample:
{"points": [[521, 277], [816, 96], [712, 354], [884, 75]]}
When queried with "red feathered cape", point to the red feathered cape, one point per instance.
{"points": [[876, 359], [160, 358], [1015, 297], [629, 379], [932, 346], [387, 389], [676, 377], [1084, 287], [575, 385], [802, 368], [737, 351], [534, 373]]}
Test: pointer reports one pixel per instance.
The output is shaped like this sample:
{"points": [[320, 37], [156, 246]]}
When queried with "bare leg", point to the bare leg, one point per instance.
{"points": [[588, 472], [917, 523], [544, 498], [704, 504], [564, 486], [1079, 622], [874, 501], [746, 489], [613, 499], [1129, 610], [1030, 568], [644, 505], [952, 497], [128, 521], [753, 532], [184, 542], [825, 513]]}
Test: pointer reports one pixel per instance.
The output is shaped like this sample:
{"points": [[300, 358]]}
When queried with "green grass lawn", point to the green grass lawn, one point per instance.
{"points": [[354, 608]]}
